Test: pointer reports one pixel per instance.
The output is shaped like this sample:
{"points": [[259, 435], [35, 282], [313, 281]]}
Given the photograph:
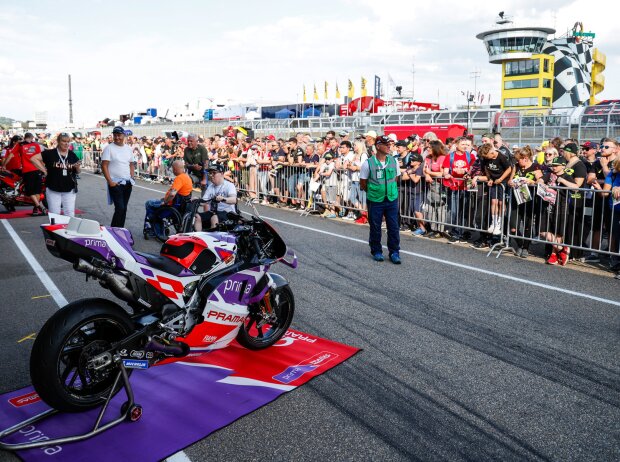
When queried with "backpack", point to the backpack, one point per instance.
{"points": [[452, 160]]}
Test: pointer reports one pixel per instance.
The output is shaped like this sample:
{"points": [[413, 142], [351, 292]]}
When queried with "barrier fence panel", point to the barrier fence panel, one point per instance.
{"points": [[580, 219]]}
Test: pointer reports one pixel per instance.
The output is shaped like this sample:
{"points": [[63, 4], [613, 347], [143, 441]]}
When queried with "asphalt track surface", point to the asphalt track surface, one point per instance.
{"points": [[487, 359]]}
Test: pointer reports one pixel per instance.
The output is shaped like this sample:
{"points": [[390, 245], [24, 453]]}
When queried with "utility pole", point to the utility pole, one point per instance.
{"points": [[70, 103], [412, 78], [475, 75]]}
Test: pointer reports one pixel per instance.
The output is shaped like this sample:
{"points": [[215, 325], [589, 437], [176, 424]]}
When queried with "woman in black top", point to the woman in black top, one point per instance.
{"points": [[575, 231], [62, 166]]}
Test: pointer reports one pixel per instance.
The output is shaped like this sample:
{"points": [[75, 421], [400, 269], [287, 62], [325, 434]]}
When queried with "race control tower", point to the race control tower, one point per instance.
{"points": [[538, 73]]}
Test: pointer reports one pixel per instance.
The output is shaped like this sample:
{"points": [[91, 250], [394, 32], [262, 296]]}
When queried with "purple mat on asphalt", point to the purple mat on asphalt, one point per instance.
{"points": [[183, 402]]}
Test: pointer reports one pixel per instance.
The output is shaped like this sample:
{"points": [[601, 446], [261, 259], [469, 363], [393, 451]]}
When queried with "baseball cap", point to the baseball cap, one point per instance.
{"points": [[120, 130], [328, 156], [572, 148], [544, 144], [393, 137], [558, 161], [343, 133], [487, 135], [371, 133], [271, 138], [383, 140], [590, 145], [402, 143], [216, 168], [416, 157]]}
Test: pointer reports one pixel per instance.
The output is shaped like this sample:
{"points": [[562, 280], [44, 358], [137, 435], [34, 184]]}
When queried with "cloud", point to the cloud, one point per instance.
{"points": [[167, 57]]}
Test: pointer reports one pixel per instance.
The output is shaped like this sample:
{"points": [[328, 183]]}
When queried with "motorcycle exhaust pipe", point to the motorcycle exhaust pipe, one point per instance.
{"points": [[176, 349], [116, 283]]}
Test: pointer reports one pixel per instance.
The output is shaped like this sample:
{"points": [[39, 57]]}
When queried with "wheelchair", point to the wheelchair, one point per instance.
{"points": [[168, 220]]}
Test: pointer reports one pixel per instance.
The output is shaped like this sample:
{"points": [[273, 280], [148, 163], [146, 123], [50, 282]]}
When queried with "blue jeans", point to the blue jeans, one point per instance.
{"points": [[457, 211], [376, 212], [151, 205], [120, 197]]}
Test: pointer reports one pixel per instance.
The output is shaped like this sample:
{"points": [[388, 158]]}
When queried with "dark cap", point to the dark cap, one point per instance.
{"points": [[328, 156], [558, 161], [28, 135], [402, 143], [488, 135], [416, 157], [590, 145], [572, 148], [383, 139], [216, 168], [119, 130]]}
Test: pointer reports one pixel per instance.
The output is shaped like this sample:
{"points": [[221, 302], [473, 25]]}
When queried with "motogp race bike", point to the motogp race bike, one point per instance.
{"points": [[12, 192], [204, 289]]}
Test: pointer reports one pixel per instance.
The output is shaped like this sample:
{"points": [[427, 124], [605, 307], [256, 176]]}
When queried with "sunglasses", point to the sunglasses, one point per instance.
{"points": [[606, 146]]}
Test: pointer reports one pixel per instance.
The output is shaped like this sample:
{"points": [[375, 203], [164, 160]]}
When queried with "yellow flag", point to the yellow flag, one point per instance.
{"points": [[305, 98], [337, 91], [351, 89], [316, 94], [364, 92], [326, 90]]}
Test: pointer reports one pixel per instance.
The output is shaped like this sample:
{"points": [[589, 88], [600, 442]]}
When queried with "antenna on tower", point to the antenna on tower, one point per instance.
{"points": [[503, 18], [70, 102]]}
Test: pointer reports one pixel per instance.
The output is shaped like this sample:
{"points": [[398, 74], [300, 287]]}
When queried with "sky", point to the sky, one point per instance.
{"points": [[126, 56]]}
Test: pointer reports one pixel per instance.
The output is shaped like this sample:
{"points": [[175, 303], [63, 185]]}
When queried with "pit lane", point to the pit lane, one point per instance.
{"points": [[457, 364]]}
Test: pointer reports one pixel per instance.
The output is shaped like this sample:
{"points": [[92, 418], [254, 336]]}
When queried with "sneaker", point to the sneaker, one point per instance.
{"points": [[395, 258], [264, 203], [497, 229], [378, 257], [524, 253], [255, 201], [331, 215], [36, 212], [404, 228], [552, 260], [433, 235], [454, 240], [419, 232], [563, 257], [592, 258], [491, 229], [480, 244], [362, 220]]}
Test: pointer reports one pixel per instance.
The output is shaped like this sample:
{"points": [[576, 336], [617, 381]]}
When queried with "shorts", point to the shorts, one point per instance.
{"points": [[497, 191], [32, 183], [330, 193], [206, 217]]}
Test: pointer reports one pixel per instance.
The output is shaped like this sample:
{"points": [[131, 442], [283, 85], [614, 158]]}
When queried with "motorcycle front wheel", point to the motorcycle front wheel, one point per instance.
{"points": [[69, 339], [263, 327]]}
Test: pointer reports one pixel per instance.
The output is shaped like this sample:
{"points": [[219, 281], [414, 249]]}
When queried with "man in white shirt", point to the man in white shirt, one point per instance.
{"points": [[221, 196], [118, 168]]}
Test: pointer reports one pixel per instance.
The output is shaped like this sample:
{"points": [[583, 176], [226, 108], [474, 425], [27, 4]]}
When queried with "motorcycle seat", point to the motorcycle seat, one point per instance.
{"points": [[164, 264]]}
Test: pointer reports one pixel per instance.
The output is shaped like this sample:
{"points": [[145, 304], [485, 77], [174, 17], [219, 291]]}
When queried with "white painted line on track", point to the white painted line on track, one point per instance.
{"points": [[458, 265], [59, 298]]}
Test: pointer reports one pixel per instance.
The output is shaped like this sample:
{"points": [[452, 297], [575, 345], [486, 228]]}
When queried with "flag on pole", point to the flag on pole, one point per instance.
{"points": [[316, 94], [364, 92], [337, 91], [326, 90], [391, 80], [351, 90], [305, 98]]}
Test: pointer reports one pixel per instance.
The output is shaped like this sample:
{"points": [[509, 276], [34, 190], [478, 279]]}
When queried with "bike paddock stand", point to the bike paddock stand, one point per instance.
{"points": [[130, 411]]}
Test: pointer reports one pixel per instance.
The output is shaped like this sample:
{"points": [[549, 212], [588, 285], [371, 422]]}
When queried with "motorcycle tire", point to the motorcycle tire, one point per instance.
{"points": [[74, 334], [254, 338]]}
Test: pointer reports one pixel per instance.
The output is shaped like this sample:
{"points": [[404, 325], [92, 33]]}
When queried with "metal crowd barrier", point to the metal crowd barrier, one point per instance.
{"points": [[580, 219], [523, 215]]}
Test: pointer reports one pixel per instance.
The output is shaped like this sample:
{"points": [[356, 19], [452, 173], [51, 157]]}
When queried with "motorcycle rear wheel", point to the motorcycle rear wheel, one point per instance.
{"points": [[65, 344], [254, 336]]}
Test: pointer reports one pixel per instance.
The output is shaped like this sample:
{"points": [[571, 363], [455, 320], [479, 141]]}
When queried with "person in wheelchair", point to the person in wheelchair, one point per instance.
{"points": [[220, 197], [179, 192]]}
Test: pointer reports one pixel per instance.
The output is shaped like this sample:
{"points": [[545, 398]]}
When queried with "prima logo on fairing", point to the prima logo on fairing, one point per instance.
{"points": [[235, 286], [225, 317], [94, 243]]}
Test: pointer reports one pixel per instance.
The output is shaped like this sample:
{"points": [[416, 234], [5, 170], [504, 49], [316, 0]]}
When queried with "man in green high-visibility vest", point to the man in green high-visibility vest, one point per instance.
{"points": [[378, 177]]}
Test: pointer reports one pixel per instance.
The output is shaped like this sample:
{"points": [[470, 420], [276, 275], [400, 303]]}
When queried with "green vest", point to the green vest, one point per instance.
{"points": [[382, 181]]}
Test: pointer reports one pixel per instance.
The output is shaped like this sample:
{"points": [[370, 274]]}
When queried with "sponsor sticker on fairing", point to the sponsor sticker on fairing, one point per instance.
{"points": [[136, 363]]}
